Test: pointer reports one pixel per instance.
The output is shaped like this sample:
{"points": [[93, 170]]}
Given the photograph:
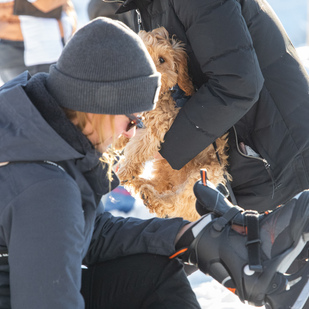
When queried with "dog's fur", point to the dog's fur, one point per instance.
{"points": [[169, 193]]}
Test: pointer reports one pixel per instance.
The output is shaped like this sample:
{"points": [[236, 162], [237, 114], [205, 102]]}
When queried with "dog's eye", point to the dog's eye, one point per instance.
{"points": [[161, 60]]}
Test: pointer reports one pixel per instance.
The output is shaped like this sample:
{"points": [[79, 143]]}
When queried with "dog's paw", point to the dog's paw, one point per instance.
{"points": [[146, 195], [124, 175], [127, 182]]}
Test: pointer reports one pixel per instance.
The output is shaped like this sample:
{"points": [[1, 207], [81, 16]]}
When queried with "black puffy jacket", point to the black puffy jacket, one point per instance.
{"points": [[249, 81]]}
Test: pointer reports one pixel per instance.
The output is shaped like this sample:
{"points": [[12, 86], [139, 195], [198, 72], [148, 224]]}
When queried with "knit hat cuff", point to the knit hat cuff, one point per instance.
{"points": [[119, 97]]}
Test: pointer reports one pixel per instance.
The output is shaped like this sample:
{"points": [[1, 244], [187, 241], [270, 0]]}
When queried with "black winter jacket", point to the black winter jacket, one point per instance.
{"points": [[250, 81], [51, 218]]}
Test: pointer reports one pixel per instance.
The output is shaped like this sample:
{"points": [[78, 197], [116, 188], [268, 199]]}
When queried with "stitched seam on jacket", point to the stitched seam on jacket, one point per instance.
{"points": [[246, 48]]}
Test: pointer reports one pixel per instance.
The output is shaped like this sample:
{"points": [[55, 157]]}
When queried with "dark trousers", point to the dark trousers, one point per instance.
{"points": [[136, 282], [12, 61]]}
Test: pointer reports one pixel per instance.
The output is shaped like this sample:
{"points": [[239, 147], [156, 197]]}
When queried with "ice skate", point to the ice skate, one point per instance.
{"points": [[247, 252]]}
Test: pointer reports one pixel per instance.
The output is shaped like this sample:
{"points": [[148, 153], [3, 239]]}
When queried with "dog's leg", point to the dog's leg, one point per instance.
{"points": [[161, 204], [140, 149], [185, 199], [179, 202], [135, 185]]}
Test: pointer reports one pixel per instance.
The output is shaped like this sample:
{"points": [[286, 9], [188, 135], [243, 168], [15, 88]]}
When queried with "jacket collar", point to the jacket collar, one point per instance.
{"points": [[50, 110], [88, 162], [40, 131]]}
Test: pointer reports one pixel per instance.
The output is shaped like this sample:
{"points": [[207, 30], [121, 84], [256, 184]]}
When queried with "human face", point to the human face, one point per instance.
{"points": [[112, 127]]}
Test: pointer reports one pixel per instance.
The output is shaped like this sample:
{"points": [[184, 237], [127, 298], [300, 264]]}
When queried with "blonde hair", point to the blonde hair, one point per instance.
{"points": [[81, 119]]}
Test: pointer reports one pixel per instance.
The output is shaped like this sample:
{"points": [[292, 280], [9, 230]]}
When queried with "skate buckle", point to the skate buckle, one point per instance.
{"points": [[254, 241], [254, 255], [256, 268]]}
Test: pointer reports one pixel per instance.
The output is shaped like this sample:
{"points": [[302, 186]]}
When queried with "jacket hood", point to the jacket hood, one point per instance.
{"points": [[24, 134]]}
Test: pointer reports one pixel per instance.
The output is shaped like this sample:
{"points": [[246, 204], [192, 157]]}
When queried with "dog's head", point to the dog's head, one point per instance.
{"points": [[170, 59]]}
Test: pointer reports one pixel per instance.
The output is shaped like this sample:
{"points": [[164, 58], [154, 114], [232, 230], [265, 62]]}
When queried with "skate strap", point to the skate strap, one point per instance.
{"points": [[222, 221], [253, 241]]}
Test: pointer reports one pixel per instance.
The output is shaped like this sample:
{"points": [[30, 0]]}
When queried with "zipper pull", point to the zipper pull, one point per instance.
{"points": [[139, 20], [267, 167]]}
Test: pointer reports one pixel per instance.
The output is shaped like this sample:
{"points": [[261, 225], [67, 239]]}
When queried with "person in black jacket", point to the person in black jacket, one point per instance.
{"points": [[97, 8], [54, 129], [249, 82]]}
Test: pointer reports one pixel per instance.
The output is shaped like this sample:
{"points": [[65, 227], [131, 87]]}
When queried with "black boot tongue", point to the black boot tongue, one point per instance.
{"points": [[223, 190], [209, 199]]}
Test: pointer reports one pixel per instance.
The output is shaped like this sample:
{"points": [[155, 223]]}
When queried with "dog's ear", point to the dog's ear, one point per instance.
{"points": [[183, 80], [142, 34], [161, 32]]}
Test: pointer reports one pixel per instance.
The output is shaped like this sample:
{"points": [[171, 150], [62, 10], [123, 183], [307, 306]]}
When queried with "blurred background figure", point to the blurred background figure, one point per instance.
{"points": [[119, 199], [98, 8], [32, 34]]}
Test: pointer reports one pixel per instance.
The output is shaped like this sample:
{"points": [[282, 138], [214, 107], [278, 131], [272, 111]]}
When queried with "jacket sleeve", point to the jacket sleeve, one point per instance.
{"points": [[222, 45], [115, 237]]}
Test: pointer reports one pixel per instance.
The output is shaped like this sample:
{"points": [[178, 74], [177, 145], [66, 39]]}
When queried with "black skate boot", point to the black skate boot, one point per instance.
{"points": [[247, 252]]}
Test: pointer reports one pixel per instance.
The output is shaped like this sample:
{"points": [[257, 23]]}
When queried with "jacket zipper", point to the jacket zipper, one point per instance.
{"points": [[266, 164], [139, 20]]}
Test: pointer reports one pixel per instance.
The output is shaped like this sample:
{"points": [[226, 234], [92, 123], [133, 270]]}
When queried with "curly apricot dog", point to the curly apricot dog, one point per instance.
{"points": [[169, 193]]}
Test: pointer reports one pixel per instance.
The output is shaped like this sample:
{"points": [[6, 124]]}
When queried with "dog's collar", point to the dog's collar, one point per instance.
{"points": [[179, 96]]}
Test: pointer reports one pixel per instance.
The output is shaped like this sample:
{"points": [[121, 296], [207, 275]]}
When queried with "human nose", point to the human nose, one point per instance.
{"points": [[130, 133]]}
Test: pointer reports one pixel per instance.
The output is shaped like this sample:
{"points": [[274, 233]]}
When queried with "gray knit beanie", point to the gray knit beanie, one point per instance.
{"points": [[105, 69]]}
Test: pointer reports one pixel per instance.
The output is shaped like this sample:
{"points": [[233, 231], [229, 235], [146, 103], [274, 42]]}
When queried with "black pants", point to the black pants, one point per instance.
{"points": [[12, 61], [136, 282]]}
